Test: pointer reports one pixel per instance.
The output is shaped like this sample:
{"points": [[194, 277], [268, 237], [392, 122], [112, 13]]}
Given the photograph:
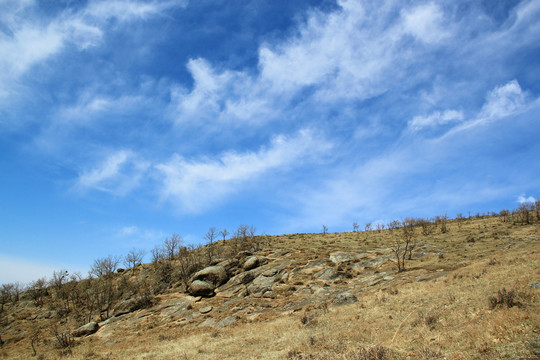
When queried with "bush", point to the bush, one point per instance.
{"points": [[503, 298]]}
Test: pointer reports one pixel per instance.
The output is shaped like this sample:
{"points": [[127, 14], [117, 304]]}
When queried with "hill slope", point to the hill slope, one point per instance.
{"points": [[468, 291]]}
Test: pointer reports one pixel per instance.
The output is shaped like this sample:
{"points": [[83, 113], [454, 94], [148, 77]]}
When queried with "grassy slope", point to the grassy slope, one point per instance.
{"points": [[447, 315]]}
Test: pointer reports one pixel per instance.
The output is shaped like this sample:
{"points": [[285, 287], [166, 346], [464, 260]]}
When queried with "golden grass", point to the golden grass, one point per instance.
{"points": [[447, 317]]}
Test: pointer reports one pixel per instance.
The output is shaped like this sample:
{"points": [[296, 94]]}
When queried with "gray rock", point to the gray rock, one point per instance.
{"points": [[87, 329], [340, 257], [270, 272], [327, 275], [313, 266], [535, 285], [252, 262], [201, 288], [206, 309], [176, 307], [227, 321], [344, 299], [208, 322], [215, 275], [260, 285], [228, 264]]}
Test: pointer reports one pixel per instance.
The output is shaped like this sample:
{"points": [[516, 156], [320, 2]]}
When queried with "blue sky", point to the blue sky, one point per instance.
{"points": [[124, 121]]}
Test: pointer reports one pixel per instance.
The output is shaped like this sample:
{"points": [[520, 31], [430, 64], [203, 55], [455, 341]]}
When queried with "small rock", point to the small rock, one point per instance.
{"points": [[227, 321], [270, 272], [87, 329], [206, 309], [344, 299], [208, 322], [328, 274], [535, 285]]}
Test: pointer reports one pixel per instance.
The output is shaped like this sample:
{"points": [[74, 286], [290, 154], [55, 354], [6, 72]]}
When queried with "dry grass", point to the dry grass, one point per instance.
{"points": [[447, 315]]}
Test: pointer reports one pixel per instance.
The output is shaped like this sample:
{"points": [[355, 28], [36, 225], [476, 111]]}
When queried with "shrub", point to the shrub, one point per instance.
{"points": [[503, 298]]}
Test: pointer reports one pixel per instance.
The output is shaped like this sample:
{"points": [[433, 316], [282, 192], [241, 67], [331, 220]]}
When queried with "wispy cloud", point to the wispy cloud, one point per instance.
{"points": [[523, 199], [370, 189], [426, 23], [25, 42], [434, 119], [196, 185], [118, 173]]}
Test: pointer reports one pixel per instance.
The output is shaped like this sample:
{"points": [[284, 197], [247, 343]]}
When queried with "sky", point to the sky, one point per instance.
{"points": [[124, 121]]}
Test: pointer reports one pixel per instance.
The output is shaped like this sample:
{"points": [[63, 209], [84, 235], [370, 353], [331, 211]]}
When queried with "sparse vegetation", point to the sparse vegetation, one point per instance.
{"points": [[451, 302]]}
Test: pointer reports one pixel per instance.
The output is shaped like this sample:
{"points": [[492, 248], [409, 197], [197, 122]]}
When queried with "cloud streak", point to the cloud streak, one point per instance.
{"points": [[195, 186], [119, 173]]}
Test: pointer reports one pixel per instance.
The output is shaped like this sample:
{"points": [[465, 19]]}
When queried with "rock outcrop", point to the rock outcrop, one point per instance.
{"points": [[87, 329]]}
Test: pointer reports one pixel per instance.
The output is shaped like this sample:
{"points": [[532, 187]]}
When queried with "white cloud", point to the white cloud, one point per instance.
{"points": [[352, 54], [434, 119], [503, 101], [135, 236], [119, 173], [128, 231], [425, 22], [197, 185], [526, 200], [30, 41], [127, 10], [91, 105]]}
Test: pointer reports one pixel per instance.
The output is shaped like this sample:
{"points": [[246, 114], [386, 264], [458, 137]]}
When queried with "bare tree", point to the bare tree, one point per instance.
{"points": [[157, 255], [38, 291], [6, 292], [210, 237], [224, 233], [355, 226], [404, 245], [105, 266], [324, 229], [393, 225], [104, 270], [172, 245], [133, 258]]}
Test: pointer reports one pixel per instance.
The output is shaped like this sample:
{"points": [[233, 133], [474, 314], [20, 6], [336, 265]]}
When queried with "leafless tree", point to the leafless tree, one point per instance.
{"points": [[355, 226], [224, 233], [404, 245], [105, 266], [393, 225], [172, 245], [157, 255], [6, 292], [324, 229], [104, 270], [133, 258], [38, 291], [210, 237]]}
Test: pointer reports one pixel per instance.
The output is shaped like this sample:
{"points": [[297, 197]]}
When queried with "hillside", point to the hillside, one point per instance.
{"points": [[469, 290]]}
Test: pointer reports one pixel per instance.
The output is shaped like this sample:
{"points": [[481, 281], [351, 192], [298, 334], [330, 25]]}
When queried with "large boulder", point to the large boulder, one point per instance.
{"points": [[252, 262], [215, 275], [201, 288], [87, 329]]}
